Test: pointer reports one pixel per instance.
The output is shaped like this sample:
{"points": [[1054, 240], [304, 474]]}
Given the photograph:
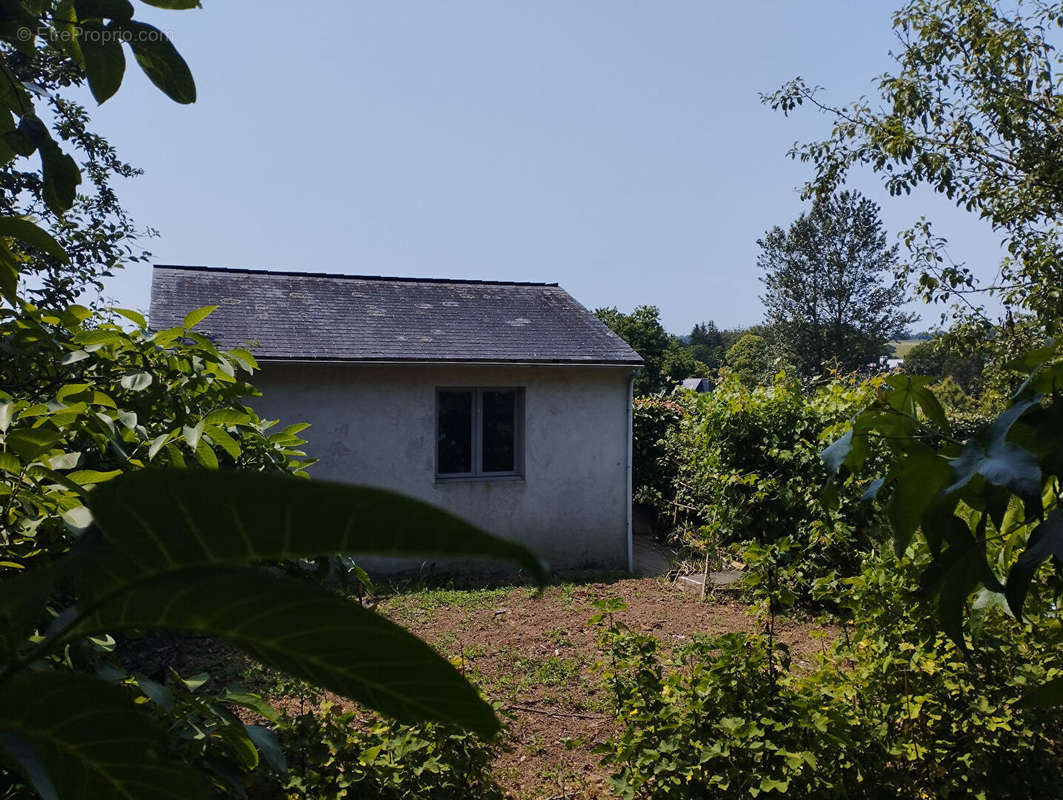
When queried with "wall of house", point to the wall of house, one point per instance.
{"points": [[375, 425]]}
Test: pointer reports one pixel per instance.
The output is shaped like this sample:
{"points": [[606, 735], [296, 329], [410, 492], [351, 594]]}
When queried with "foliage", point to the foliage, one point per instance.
{"points": [[94, 544], [96, 233], [890, 709], [830, 294], [339, 754], [193, 571], [84, 400], [973, 112], [988, 506], [746, 469], [753, 360], [708, 344], [667, 360], [52, 44], [654, 419], [934, 357]]}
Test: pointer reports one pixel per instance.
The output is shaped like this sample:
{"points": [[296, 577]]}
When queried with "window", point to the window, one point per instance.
{"points": [[479, 432]]}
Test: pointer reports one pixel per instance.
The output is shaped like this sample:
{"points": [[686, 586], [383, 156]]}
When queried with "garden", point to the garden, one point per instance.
{"points": [[181, 615]]}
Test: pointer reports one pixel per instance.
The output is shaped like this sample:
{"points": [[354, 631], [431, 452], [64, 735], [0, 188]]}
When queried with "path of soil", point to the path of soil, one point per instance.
{"points": [[535, 653]]}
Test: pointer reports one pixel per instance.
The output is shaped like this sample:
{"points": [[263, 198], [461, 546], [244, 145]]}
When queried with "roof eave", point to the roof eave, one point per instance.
{"points": [[484, 362]]}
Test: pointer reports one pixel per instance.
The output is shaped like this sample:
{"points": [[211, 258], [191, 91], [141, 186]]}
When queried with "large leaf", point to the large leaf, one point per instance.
{"points": [[104, 59], [29, 233], [159, 59], [1046, 541], [165, 520], [87, 740], [918, 480], [308, 632]]}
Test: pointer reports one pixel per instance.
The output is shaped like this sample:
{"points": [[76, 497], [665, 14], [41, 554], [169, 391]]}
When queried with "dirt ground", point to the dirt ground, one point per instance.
{"points": [[535, 653]]}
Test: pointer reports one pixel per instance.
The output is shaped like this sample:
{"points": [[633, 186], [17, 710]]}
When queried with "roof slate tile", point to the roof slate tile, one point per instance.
{"points": [[316, 316]]}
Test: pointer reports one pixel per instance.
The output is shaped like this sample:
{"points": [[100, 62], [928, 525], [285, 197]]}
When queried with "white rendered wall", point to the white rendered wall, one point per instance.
{"points": [[375, 425]]}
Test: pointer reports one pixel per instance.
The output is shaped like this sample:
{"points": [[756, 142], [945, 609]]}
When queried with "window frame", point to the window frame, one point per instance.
{"points": [[478, 434]]}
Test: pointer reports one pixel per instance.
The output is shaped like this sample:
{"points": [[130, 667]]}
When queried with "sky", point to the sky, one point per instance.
{"points": [[617, 147]]}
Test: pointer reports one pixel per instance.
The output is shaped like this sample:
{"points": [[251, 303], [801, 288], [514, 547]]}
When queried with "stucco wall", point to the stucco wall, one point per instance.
{"points": [[375, 425]]}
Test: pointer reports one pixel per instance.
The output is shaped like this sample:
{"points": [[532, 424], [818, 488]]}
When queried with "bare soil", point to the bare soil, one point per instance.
{"points": [[536, 654]]}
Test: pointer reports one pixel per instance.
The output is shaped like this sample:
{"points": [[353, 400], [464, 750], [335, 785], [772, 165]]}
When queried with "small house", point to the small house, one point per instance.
{"points": [[508, 404]]}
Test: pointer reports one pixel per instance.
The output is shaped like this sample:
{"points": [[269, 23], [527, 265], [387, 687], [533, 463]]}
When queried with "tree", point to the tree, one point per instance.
{"points": [[707, 344], [750, 358], [936, 358], [667, 361], [96, 233], [973, 112], [829, 289]]}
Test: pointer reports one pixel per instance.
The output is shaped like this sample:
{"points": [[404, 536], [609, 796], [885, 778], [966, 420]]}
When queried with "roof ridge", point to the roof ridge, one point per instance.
{"points": [[394, 278]]}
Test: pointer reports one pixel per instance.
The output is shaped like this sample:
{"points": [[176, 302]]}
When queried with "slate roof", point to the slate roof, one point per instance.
{"points": [[316, 316]]}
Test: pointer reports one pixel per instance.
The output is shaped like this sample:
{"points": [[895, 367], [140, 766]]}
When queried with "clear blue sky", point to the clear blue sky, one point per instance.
{"points": [[618, 148]]}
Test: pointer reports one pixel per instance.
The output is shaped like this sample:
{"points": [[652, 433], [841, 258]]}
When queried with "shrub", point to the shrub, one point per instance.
{"points": [[654, 418], [334, 754], [891, 709], [742, 465]]}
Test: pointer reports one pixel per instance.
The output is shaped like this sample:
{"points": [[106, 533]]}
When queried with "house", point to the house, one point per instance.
{"points": [[699, 385], [508, 404]]}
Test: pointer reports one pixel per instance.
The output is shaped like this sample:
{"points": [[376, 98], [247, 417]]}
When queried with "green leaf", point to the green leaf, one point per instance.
{"points": [[176, 4], [160, 60], [918, 479], [834, 455], [157, 444], [22, 756], [190, 518], [103, 9], [193, 318], [104, 59], [269, 748], [89, 739], [252, 702], [133, 316], [1046, 541], [136, 381], [223, 440], [307, 632], [27, 232], [29, 443], [206, 456]]}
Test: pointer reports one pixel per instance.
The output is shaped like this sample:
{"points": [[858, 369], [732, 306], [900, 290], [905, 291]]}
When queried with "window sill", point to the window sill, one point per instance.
{"points": [[442, 480]]}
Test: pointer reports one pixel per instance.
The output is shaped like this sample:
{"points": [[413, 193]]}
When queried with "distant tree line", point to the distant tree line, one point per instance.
{"points": [[832, 303]]}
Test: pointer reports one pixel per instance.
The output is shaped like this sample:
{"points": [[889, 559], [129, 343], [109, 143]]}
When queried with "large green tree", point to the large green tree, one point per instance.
{"points": [[667, 360], [972, 111], [830, 293]]}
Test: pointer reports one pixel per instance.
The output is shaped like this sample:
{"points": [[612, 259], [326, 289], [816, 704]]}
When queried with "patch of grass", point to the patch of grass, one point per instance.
{"points": [[425, 601], [903, 347]]}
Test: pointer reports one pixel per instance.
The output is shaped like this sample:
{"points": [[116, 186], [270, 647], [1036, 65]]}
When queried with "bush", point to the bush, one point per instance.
{"points": [[891, 709], [334, 754], [654, 419], [741, 465]]}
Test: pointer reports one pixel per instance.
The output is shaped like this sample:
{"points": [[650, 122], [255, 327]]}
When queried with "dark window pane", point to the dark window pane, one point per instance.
{"points": [[500, 431], [455, 432]]}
